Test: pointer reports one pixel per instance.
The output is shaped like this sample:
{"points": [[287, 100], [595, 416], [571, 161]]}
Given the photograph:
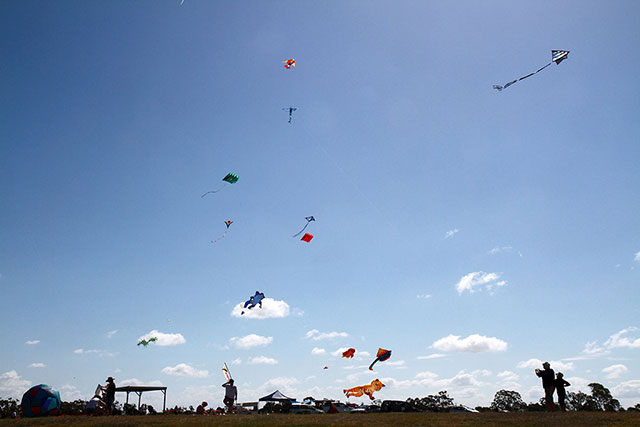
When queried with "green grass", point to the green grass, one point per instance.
{"points": [[388, 419]]}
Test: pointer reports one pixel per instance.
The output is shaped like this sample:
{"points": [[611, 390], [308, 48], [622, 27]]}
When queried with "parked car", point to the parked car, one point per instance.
{"points": [[397, 406], [298, 408]]}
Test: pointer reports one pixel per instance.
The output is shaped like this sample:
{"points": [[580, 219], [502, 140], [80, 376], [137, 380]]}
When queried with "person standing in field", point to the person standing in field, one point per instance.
{"points": [[548, 383], [230, 394], [110, 395], [560, 384]]}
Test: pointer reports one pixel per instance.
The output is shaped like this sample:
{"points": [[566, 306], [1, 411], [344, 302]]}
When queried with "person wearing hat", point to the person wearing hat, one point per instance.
{"points": [[110, 395], [548, 383]]}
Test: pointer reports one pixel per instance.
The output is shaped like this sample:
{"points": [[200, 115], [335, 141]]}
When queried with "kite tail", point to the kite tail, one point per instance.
{"points": [[303, 228], [500, 88], [220, 238], [373, 363], [213, 191]]}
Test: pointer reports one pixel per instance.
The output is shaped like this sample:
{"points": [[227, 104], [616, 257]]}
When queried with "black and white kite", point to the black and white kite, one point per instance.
{"points": [[557, 56], [309, 219]]}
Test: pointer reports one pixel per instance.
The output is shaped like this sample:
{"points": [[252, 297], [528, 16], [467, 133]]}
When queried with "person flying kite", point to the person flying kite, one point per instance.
{"points": [[381, 357], [253, 301], [289, 63], [349, 353], [290, 110], [557, 56], [230, 178], [227, 223], [309, 219], [147, 342]]}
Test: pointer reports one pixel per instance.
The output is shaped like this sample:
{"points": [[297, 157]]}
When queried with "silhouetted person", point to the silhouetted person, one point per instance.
{"points": [[560, 384], [230, 394], [548, 383], [201, 408], [110, 395]]}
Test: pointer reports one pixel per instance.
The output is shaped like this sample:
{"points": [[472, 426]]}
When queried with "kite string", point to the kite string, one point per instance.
{"points": [[303, 228]]}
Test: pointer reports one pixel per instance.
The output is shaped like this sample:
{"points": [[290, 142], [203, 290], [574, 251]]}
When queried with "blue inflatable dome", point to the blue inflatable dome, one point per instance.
{"points": [[40, 401]]}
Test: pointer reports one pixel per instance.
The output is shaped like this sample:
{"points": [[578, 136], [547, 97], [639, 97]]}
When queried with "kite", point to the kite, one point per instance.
{"points": [[557, 56], [231, 178], [253, 301], [309, 219], [290, 110], [227, 223], [40, 401], [226, 372], [307, 237], [289, 63], [349, 353], [381, 357], [326, 367], [147, 342], [368, 389]]}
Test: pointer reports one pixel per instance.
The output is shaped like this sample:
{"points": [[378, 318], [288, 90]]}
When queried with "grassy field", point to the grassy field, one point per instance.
{"points": [[388, 419]]}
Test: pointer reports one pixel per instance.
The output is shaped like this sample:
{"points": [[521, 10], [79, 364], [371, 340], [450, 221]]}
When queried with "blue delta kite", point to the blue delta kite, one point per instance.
{"points": [[557, 56]]}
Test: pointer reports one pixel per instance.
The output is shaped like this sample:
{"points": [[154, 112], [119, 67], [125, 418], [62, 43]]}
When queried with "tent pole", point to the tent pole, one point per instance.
{"points": [[164, 402]]}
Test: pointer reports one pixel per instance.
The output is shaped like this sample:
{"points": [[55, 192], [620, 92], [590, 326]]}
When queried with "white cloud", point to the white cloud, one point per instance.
{"points": [[629, 389], [316, 335], [450, 233], [537, 364], [317, 350], [426, 375], [474, 281], [270, 309], [135, 381], [69, 393], [112, 333], [498, 249], [236, 361], [423, 296], [83, 351], [37, 365], [12, 385], [262, 360], [281, 383], [34, 342], [164, 340], [614, 371], [472, 344], [637, 256], [508, 376], [397, 364], [617, 340], [184, 370], [249, 341], [432, 356]]}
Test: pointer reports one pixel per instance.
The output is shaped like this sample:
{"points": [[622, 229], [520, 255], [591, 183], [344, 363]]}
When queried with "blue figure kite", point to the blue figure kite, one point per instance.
{"points": [[253, 301]]}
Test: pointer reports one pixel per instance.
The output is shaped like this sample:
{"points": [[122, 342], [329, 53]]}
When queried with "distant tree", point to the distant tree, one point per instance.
{"points": [[77, 407], [580, 401], [508, 400], [482, 409], [603, 398], [440, 402]]}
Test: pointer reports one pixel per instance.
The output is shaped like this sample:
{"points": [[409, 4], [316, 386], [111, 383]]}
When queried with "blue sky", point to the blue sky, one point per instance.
{"points": [[472, 232]]}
